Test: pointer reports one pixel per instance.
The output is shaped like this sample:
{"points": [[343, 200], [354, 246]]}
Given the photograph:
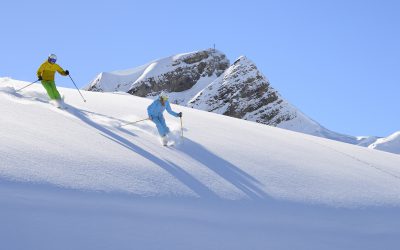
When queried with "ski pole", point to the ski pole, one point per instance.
{"points": [[27, 85], [77, 88], [181, 129], [135, 122]]}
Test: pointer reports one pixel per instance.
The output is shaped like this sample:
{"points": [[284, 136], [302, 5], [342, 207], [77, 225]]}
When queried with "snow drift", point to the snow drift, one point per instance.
{"points": [[389, 144]]}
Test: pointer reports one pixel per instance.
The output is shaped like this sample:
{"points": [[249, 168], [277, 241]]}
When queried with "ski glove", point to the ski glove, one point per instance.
{"points": [[67, 72], [180, 114], [40, 78]]}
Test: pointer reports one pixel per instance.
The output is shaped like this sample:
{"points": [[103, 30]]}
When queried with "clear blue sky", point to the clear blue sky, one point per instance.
{"points": [[337, 60]]}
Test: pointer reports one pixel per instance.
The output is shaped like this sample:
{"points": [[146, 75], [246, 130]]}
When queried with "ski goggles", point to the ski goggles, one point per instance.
{"points": [[52, 60]]}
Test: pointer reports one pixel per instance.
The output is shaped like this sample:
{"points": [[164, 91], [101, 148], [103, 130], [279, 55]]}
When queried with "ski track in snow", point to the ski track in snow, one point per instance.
{"points": [[359, 160]]}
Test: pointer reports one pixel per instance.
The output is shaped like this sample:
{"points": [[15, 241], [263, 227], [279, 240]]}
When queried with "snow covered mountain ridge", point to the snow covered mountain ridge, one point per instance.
{"points": [[205, 80], [389, 144], [185, 74]]}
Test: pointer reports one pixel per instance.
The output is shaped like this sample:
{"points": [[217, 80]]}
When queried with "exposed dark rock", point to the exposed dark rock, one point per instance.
{"points": [[189, 69], [243, 93]]}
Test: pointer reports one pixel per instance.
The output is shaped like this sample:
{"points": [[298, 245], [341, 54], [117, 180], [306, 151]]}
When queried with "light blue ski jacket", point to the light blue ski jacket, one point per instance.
{"points": [[156, 109]]}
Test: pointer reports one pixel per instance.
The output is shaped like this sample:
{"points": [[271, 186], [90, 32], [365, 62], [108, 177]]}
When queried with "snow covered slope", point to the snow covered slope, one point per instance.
{"points": [[62, 145], [77, 179], [389, 144]]}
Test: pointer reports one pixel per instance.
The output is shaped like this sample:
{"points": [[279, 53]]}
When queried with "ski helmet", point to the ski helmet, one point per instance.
{"points": [[164, 96], [52, 58]]}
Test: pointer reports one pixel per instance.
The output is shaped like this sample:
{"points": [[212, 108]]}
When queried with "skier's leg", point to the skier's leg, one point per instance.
{"points": [[164, 125], [47, 86], [159, 126], [56, 94]]}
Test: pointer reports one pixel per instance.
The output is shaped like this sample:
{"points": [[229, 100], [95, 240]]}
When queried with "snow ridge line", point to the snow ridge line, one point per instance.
{"points": [[359, 160]]}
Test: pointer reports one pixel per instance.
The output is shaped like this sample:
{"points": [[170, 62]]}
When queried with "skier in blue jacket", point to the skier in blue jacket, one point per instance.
{"points": [[155, 112]]}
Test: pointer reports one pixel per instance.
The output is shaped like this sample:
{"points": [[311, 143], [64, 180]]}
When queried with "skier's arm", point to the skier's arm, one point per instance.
{"points": [[168, 108], [61, 71], [150, 110], [40, 70]]}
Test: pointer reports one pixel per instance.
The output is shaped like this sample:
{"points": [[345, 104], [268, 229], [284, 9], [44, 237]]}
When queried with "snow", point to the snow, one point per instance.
{"points": [[123, 80], [388, 144], [77, 179], [118, 80]]}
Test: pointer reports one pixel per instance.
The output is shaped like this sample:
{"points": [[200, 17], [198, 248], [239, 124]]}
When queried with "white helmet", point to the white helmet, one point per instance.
{"points": [[52, 58], [164, 96]]}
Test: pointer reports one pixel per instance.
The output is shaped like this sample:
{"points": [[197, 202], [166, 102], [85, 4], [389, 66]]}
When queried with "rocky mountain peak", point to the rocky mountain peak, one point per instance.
{"points": [[243, 92], [184, 71]]}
